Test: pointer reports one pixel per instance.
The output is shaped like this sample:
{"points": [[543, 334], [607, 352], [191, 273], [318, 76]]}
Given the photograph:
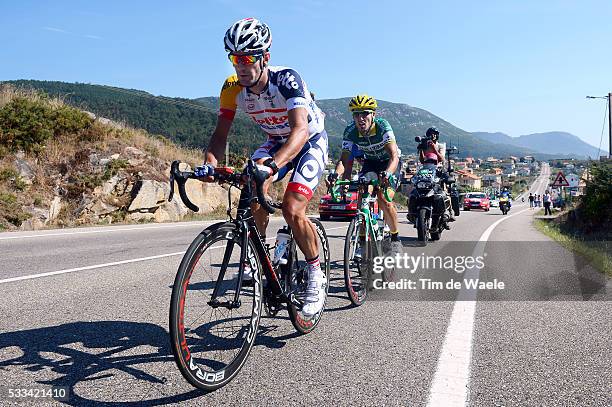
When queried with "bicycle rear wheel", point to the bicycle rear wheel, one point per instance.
{"points": [[356, 270], [297, 277], [211, 341]]}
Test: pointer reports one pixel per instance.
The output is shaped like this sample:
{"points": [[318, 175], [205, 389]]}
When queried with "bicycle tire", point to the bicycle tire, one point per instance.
{"points": [[296, 277], [205, 373], [356, 288]]}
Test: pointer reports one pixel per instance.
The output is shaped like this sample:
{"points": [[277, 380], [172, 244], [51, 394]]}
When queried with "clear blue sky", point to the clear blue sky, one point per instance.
{"points": [[513, 66]]}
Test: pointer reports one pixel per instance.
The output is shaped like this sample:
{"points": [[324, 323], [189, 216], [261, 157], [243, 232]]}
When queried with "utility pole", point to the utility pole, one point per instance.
{"points": [[609, 99], [610, 125]]}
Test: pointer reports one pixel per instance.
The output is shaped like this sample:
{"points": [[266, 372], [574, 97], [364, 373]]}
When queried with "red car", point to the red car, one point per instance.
{"points": [[345, 208], [476, 200]]}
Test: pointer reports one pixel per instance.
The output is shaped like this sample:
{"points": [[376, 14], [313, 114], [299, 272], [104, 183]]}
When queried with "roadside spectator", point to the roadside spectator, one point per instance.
{"points": [[531, 199], [539, 200], [547, 202]]}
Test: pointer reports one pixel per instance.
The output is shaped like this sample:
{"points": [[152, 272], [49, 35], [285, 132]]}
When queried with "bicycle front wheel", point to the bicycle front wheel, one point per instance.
{"points": [[211, 333], [356, 261]]}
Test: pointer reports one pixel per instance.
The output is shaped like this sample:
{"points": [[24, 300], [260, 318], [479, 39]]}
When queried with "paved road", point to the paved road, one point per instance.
{"points": [[97, 322]]}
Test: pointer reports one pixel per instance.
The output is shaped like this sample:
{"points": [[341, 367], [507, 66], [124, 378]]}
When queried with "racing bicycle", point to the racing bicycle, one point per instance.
{"points": [[225, 279], [359, 253]]}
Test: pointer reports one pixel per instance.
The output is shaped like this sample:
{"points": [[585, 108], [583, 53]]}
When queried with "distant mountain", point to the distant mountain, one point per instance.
{"points": [[499, 138], [407, 122], [556, 143]]}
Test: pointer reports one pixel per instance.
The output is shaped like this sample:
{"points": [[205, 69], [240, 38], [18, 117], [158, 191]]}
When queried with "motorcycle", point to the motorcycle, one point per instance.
{"points": [[504, 204], [429, 205]]}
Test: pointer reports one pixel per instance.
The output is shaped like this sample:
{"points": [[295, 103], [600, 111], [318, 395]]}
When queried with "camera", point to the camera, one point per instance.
{"points": [[423, 142]]}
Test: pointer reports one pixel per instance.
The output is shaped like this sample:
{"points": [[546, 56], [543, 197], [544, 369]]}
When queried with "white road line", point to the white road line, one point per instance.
{"points": [[109, 230], [95, 266], [103, 230], [449, 386], [115, 263]]}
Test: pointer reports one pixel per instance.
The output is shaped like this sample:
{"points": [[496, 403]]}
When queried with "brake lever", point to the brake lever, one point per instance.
{"points": [[181, 180], [173, 166]]}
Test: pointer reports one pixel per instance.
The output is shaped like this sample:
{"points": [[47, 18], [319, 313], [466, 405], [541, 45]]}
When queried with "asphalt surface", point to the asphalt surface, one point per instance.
{"points": [[99, 325]]}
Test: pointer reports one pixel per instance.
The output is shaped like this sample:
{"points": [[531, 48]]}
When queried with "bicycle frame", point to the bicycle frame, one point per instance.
{"points": [[246, 228], [366, 199]]}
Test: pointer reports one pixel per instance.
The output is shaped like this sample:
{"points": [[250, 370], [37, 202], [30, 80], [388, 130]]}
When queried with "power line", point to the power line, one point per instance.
{"points": [[602, 129], [161, 98]]}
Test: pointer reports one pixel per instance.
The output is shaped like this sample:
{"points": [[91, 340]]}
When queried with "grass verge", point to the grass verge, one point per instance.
{"points": [[597, 252]]}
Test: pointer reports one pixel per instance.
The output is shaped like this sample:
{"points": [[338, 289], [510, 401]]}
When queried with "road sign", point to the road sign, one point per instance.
{"points": [[560, 181], [573, 180]]}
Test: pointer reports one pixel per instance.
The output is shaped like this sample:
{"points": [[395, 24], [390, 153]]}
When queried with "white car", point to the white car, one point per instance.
{"points": [[494, 203]]}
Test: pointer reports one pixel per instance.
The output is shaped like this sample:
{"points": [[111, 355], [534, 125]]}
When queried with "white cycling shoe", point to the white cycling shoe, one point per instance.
{"points": [[314, 296]]}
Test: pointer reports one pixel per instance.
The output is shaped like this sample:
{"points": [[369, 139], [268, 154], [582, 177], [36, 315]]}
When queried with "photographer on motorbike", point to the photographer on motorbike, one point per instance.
{"points": [[430, 153], [429, 150]]}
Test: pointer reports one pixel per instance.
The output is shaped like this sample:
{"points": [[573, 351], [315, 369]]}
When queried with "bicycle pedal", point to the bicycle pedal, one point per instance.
{"points": [[293, 299]]}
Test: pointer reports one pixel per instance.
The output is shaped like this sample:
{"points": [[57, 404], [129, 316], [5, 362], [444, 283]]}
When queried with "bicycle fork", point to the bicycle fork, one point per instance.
{"points": [[244, 257]]}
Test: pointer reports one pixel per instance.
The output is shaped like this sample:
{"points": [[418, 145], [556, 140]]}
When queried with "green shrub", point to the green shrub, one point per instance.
{"points": [[597, 200], [113, 167], [11, 210], [7, 174], [26, 125], [69, 120], [7, 199], [13, 178]]}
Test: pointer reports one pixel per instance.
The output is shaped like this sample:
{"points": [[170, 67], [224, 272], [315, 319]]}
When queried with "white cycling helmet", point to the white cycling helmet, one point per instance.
{"points": [[248, 36]]}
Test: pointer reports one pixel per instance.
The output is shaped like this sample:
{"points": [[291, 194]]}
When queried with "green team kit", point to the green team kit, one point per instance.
{"points": [[376, 158]]}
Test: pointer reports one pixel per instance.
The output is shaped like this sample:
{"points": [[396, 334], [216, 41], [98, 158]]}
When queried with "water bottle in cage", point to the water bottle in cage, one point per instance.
{"points": [[283, 238]]}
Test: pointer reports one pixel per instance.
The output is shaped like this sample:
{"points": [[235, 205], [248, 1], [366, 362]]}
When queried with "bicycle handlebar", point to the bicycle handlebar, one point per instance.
{"points": [[221, 174], [181, 178], [360, 182]]}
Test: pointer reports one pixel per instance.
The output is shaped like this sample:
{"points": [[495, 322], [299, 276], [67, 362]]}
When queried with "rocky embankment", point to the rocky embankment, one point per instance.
{"points": [[127, 196], [62, 167]]}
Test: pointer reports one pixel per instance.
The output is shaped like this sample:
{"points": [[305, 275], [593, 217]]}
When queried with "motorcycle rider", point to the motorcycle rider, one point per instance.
{"points": [[432, 154], [505, 193]]}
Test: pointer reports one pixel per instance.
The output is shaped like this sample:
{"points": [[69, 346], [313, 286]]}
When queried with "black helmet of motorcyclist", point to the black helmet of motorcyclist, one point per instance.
{"points": [[433, 133]]}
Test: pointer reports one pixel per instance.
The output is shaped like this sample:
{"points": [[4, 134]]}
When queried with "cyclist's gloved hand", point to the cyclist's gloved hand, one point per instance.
{"points": [[262, 172], [384, 177], [206, 170], [265, 170], [332, 177]]}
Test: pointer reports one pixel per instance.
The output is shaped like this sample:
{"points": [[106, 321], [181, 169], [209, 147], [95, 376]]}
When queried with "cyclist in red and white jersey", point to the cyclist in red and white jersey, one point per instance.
{"points": [[278, 100]]}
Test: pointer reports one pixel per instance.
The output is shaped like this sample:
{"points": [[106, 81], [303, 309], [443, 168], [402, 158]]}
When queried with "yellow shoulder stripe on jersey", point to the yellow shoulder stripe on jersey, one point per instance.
{"points": [[229, 92]]}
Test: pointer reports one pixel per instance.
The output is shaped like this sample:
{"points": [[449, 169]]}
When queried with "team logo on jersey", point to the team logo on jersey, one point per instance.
{"points": [[230, 82], [273, 120], [288, 80], [310, 169]]}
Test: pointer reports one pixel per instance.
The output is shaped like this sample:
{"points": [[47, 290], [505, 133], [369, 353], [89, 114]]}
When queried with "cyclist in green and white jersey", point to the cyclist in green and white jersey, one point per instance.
{"points": [[374, 137]]}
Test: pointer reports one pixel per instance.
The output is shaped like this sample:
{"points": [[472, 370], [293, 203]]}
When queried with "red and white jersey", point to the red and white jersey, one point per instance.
{"points": [[285, 91]]}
